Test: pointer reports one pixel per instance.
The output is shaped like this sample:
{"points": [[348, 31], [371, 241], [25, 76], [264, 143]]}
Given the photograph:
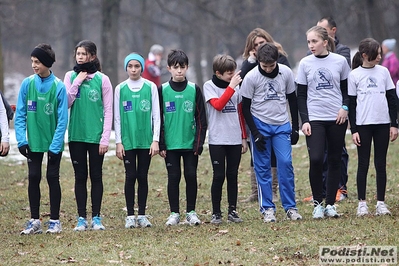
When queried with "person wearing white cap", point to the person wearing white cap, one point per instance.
{"points": [[390, 60], [152, 67]]}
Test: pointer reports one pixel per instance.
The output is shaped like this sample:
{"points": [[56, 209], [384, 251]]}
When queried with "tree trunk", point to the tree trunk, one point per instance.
{"points": [[109, 39], [75, 36]]}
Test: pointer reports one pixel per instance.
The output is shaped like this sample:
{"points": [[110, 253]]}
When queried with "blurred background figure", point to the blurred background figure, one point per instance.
{"points": [[152, 68], [390, 60]]}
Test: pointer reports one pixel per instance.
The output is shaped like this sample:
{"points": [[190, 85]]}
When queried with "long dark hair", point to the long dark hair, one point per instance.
{"points": [[91, 48], [368, 46]]}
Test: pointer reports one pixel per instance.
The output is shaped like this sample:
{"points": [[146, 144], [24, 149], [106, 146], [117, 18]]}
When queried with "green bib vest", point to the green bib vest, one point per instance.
{"points": [[87, 112], [41, 116], [178, 112], [136, 116]]}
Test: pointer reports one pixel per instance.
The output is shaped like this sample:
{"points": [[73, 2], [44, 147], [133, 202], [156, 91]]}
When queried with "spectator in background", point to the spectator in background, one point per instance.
{"points": [[152, 65], [390, 60], [256, 38]]}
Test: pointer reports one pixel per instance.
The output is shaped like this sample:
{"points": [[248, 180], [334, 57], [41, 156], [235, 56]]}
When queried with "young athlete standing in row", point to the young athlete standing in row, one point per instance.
{"points": [[137, 125], [373, 118]]}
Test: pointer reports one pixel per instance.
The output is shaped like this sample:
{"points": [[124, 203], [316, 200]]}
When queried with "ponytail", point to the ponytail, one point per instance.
{"points": [[357, 60]]}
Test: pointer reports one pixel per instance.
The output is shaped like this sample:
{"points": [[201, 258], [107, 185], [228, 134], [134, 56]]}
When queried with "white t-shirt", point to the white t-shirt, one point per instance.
{"points": [[268, 95], [323, 77], [370, 86], [223, 126]]}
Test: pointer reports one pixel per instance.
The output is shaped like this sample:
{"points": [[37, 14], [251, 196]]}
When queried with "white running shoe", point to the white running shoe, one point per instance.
{"points": [[292, 214], [362, 209], [330, 211], [381, 209], [33, 226], [142, 221], [268, 216], [130, 221], [82, 225], [96, 223], [192, 218], [173, 219], [54, 227]]}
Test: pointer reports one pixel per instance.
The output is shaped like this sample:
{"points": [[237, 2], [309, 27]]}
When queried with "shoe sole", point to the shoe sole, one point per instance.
{"points": [[294, 219], [130, 227], [234, 221], [33, 233], [333, 216]]}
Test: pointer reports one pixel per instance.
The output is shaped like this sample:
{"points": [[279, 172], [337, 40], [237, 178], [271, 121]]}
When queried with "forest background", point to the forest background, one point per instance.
{"points": [[202, 28]]}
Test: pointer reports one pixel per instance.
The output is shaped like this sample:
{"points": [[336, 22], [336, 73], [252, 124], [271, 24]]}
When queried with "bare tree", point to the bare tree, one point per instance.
{"points": [[109, 38]]}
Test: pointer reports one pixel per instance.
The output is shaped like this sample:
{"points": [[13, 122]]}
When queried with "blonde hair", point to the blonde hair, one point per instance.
{"points": [[258, 32], [323, 34]]}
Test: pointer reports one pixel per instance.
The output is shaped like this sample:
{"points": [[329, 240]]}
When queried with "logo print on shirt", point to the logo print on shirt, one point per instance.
{"points": [[145, 105], [372, 82], [78, 94], [188, 106], [32, 105], [323, 79], [229, 107], [170, 107], [48, 108], [127, 106], [93, 95], [271, 88]]}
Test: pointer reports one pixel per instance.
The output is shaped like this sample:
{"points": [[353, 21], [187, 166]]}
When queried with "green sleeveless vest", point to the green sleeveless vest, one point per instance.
{"points": [[87, 112], [135, 112], [179, 111], [41, 116]]}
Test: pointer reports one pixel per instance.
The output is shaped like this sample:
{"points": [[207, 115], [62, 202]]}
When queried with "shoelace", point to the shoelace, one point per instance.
{"points": [[29, 225], [81, 222], [97, 221], [50, 224], [383, 207]]}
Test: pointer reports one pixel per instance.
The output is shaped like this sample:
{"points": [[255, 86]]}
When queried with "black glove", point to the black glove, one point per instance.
{"points": [[24, 150], [260, 142], [53, 157], [199, 150], [294, 137]]}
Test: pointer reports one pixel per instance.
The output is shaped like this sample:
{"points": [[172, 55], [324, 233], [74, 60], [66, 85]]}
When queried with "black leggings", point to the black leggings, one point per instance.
{"points": [[137, 163], [225, 161], [78, 151], [333, 135], [53, 181], [190, 163], [379, 134]]}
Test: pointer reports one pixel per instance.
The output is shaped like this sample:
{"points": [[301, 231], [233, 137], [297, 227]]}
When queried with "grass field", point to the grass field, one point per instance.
{"points": [[249, 243]]}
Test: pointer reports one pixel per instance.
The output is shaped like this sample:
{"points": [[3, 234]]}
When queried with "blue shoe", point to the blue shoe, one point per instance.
{"points": [[54, 227], [318, 212], [96, 223], [330, 211], [33, 226], [82, 225]]}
